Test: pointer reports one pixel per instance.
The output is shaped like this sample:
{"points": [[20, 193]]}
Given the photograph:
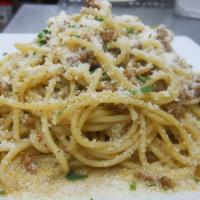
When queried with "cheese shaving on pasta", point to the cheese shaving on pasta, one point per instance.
{"points": [[99, 90]]}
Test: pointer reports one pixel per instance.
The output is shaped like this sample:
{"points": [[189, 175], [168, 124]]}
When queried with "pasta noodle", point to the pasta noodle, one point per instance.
{"points": [[97, 90]]}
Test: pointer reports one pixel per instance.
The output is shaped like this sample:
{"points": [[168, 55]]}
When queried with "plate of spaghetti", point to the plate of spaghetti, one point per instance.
{"points": [[97, 103]]}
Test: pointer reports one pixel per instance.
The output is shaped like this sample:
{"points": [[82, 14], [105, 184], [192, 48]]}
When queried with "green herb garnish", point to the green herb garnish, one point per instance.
{"points": [[101, 19], [150, 35], [147, 89], [60, 113], [151, 184], [71, 26], [143, 79], [166, 188], [2, 192], [133, 91], [46, 31], [43, 36], [129, 30], [196, 179], [92, 69], [73, 176], [77, 36], [105, 76], [132, 186], [105, 48]]}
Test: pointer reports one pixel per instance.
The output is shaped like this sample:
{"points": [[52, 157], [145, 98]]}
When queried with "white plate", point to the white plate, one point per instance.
{"points": [[186, 48]]}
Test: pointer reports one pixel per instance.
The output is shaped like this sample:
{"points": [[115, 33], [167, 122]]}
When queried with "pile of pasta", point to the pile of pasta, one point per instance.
{"points": [[99, 90]]}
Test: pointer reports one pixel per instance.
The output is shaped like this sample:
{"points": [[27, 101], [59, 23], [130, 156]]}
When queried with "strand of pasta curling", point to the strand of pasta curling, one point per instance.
{"points": [[52, 145], [4, 177], [108, 159], [105, 98], [59, 154]]}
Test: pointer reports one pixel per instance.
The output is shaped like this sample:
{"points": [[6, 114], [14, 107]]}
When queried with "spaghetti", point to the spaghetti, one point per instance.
{"points": [[99, 90]]}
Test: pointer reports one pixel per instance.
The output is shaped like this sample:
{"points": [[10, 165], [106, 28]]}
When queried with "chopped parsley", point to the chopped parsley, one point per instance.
{"points": [[105, 76], [129, 30], [92, 69], [165, 188], [100, 19], [133, 91], [60, 113], [132, 186], [143, 79], [105, 48], [196, 179], [151, 184], [71, 26], [150, 35], [77, 36], [2, 192], [147, 89], [47, 31], [43, 36], [73, 176]]}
